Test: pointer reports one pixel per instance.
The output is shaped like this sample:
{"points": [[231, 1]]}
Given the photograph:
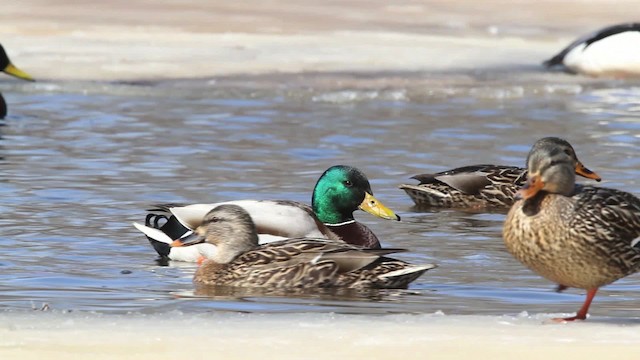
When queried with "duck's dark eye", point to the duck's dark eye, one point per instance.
{"points": [[568, 152], [348, 183]]}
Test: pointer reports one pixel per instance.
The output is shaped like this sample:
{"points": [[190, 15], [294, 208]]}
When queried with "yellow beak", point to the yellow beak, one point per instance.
{"points": [[376, 208], [14, 71]]}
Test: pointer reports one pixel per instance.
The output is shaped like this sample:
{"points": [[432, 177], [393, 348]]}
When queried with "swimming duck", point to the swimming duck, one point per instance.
{"points": [[9, 68], [340, 191], [481, 186], [291, 263], [610, 51], [576, 236]]}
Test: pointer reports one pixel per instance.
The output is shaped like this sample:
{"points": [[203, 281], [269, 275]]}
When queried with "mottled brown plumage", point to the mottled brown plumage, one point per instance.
{"points": [[481, 186], [293, 263], [576, 236]]}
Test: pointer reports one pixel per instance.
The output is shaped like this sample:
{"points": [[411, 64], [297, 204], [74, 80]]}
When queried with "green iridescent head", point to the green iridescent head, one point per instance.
{"points": [[340, 191]]}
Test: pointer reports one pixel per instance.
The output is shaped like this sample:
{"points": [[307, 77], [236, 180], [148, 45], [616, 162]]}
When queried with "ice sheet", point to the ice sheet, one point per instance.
{"points": [[125, 40], [40, 335]]}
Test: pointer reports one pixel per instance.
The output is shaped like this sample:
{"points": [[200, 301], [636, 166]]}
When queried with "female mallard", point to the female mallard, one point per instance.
{"points": [[481, 186], [338, 193], [292, 263], [576, 236], [9, 68], [610, 51]]}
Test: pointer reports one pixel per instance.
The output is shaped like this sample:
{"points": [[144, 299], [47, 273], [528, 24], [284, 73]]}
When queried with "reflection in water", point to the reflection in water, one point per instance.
{"points": [[79, 166], [346, 301], [229, 292]]}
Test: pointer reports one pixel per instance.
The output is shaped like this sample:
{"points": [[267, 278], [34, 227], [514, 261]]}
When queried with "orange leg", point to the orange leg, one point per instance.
{"points": [[582, 313]]}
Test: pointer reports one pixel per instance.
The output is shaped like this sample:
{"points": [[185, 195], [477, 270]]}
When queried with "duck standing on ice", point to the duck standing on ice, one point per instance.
{"points": [[612, 51]]}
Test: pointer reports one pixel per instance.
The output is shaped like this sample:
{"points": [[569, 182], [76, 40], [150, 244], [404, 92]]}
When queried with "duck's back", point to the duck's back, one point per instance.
{"points": [[467, 187], [584, 241], [286, 263]]}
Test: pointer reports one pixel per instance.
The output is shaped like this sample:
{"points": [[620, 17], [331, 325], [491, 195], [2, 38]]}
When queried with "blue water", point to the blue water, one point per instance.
{"points": [[79, 162]]}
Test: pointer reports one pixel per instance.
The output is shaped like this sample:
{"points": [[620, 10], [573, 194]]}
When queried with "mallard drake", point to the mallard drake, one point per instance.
{"points": [[576, 236], [481, 186], [9, 68], [292, 263], [610, 51], [338, 193]]}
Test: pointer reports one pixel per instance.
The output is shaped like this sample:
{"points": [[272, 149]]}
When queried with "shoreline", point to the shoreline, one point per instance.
{"points": [[133, 40], [294, 336]]}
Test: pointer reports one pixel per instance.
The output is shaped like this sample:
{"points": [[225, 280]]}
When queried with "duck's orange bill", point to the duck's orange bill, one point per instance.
{"points": [[176, 243], [584, 172], [531, 188]]}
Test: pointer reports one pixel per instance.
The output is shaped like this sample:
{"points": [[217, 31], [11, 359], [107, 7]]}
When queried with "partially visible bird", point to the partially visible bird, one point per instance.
{"points": [[7, 67], [576, 236], [612, 51], [481, 186]]}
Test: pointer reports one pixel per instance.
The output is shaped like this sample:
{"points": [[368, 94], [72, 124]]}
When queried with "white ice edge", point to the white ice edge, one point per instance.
{"points": [[310, 336]]}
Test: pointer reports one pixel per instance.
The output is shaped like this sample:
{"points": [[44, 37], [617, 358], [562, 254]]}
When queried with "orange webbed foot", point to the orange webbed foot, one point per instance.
{"points": [[571, 318]]}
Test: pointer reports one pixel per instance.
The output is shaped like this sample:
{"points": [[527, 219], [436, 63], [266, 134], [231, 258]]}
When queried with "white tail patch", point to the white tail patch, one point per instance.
{"points": [[408, 270], [424, 189], [155, 234]]}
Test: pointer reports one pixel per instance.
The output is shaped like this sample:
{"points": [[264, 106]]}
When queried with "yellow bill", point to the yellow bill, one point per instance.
{"points": [[14, 71], [376, 208]]}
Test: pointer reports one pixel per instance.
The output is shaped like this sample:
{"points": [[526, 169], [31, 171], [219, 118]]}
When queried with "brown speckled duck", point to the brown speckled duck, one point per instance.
{"points": [[293, 263], [481, 186], [576, 236]]}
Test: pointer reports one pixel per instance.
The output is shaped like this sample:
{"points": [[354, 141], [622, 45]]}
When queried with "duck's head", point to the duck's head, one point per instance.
{"points": [[564, 146], [7, 67], [229, 227], [340, 191], [552, 169]]}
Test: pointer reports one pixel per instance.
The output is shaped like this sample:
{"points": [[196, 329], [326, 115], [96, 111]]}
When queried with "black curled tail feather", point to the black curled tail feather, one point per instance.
{"points": [[168, 225]]}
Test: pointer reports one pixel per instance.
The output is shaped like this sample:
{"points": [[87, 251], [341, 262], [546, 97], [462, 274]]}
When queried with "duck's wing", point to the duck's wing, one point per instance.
{"points": [[300, 262], [313, 250], [610, 219], [472, 179]]}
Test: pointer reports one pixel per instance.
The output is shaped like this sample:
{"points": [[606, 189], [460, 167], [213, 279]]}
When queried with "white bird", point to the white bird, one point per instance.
{"points": [[612, 51]]}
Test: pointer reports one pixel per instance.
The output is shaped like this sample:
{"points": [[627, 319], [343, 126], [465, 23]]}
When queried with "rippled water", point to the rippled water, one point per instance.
{"points": [[81, 161]]}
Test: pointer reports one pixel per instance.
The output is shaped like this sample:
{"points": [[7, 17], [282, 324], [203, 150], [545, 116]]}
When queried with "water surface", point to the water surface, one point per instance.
{"points": [[81, 161]]}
